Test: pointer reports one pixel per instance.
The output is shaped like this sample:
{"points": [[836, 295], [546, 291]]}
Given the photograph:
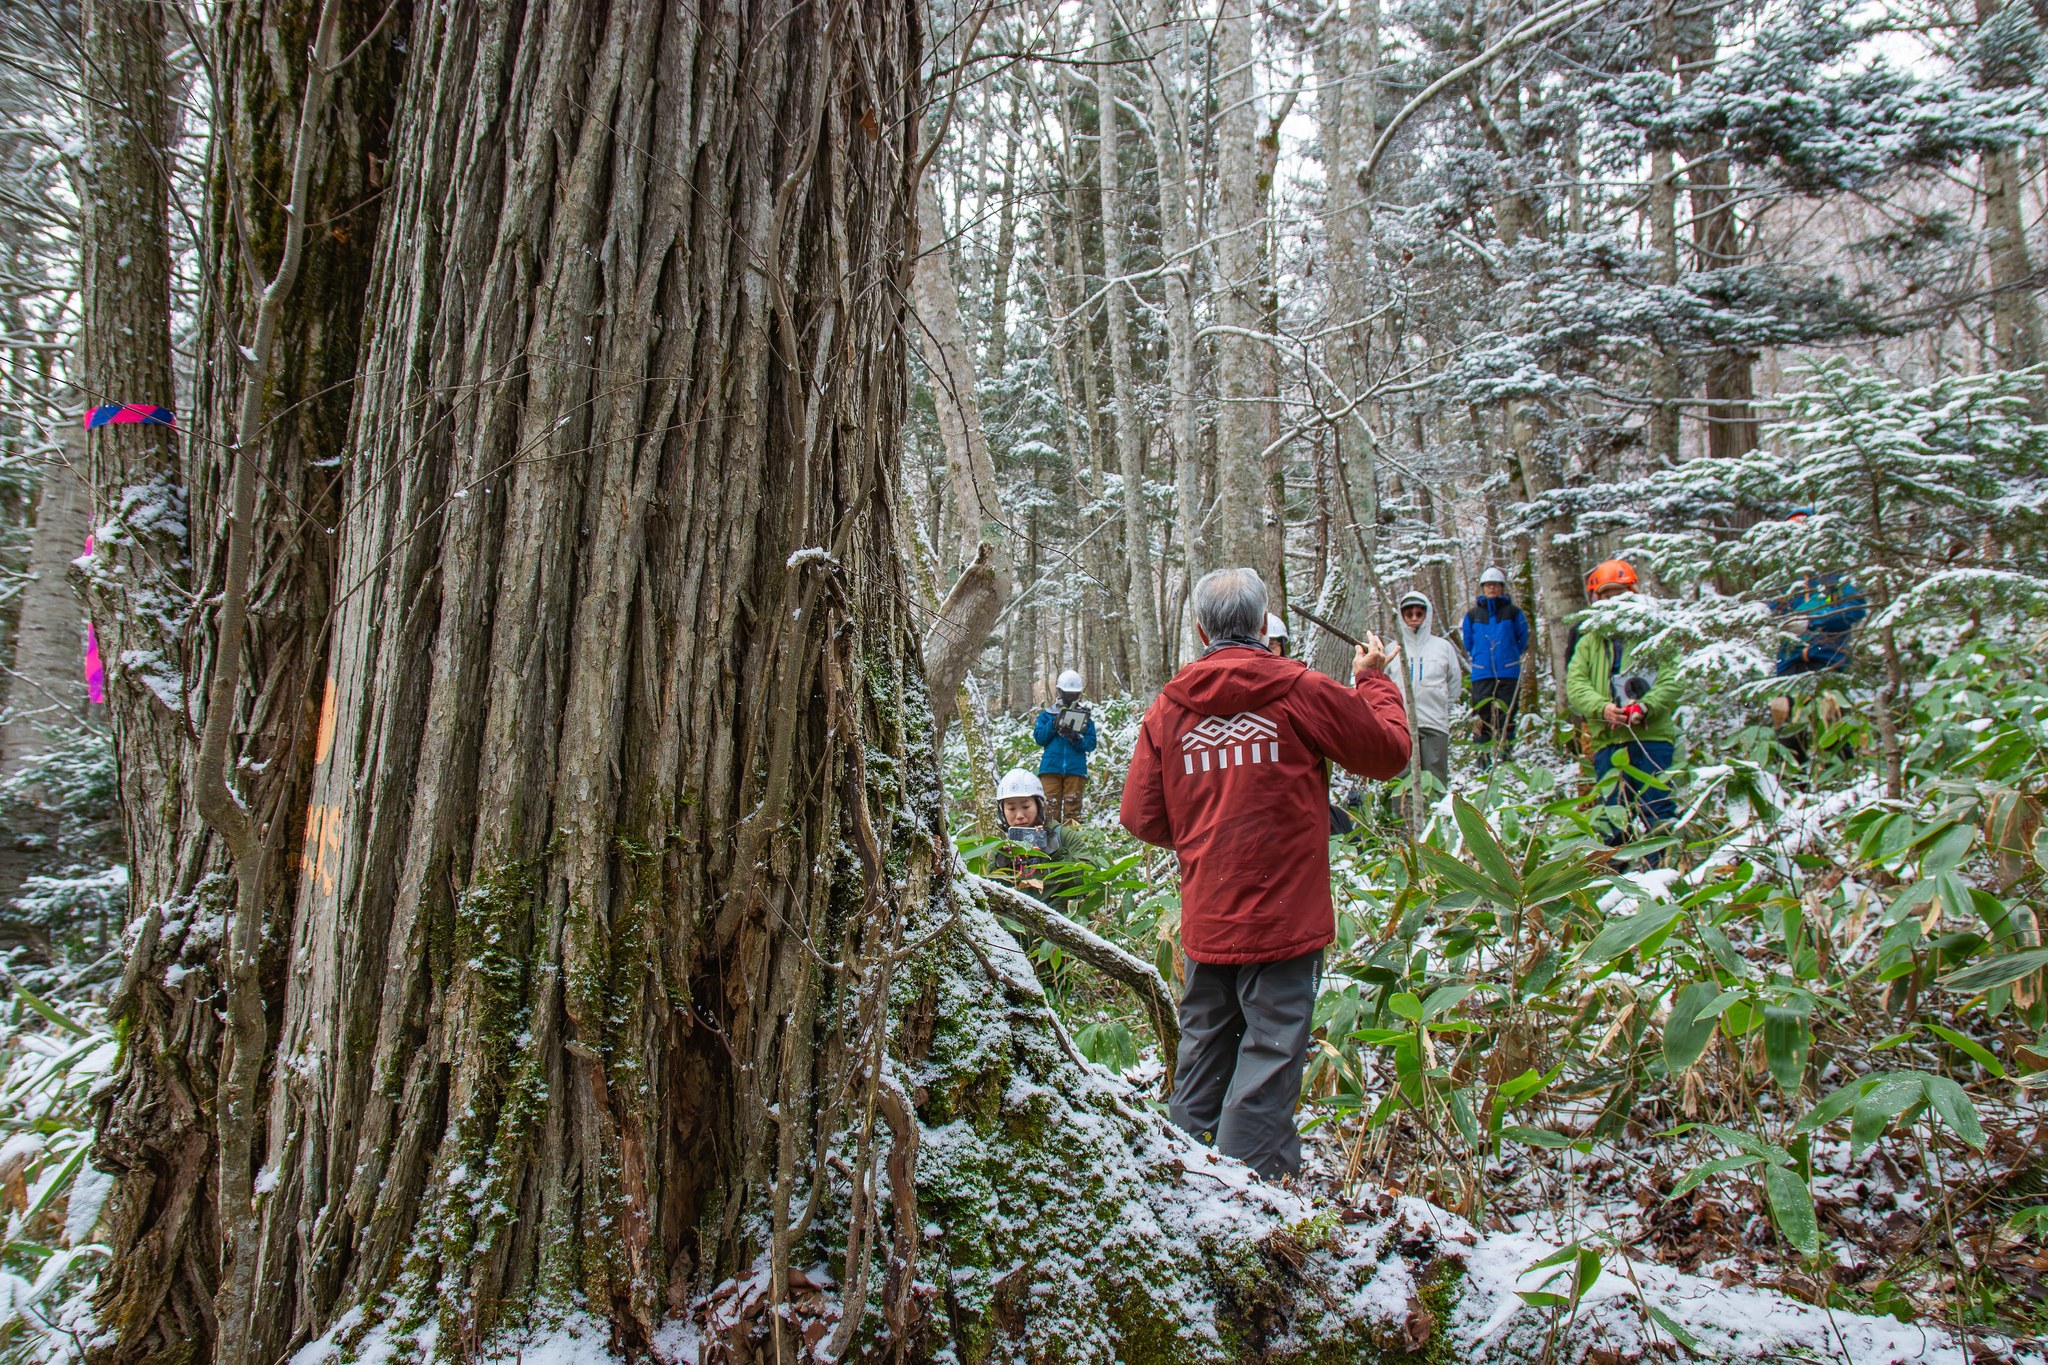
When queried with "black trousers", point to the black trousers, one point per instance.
{"points": [[1243, 1042], [1493, 708]]}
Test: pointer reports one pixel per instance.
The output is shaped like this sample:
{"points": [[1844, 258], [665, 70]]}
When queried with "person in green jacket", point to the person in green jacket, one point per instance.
{"points": [[1630, 710]]}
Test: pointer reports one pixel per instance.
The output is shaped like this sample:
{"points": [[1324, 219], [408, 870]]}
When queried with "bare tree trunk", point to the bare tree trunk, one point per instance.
{"points": [[1558, 591], [157, 1130], [983, 558], [45, 687], [137, 486], [1166, 29], [1730, 388], [609, 663], [2015, 312], [1662, 208], [1139, 587], [1004, 264], [1240, 239], [46, 684]]}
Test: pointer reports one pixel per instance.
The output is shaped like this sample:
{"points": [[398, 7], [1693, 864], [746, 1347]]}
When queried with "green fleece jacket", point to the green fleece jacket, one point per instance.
{"points": [[1588, 689]]}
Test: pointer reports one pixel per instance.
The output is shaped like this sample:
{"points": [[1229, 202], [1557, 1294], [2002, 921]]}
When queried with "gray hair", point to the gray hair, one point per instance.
{"points": [[1231, 604]]}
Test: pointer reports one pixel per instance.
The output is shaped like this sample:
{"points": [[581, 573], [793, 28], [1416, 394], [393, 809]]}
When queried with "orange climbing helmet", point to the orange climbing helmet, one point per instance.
{"points": [[1608, 573]]}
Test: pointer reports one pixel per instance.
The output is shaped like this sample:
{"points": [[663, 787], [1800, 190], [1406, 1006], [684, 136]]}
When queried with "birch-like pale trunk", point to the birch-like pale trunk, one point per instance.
{"points": [[982, 556]]}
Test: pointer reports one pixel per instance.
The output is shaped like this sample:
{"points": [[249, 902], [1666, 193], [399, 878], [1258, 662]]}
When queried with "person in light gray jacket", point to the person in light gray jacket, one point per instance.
{"points": [[1430, 675]]}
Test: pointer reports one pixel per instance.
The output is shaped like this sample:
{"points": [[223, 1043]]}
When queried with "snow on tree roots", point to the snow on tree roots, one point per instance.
{"points": [[1062, 1221]]}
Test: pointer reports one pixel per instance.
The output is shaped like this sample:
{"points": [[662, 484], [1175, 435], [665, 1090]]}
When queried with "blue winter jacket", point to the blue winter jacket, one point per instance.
{"points": [[1496, 637], [1833, 607], [1061, 754]]}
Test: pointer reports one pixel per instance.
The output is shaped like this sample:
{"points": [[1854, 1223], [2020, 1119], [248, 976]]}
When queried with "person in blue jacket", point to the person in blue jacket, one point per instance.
{"points": [[1833, 608], [1068, 733], [1496, 637]]}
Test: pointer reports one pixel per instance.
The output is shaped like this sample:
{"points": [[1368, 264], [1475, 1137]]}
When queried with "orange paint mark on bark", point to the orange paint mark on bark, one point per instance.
{"points": [[326, 740]]}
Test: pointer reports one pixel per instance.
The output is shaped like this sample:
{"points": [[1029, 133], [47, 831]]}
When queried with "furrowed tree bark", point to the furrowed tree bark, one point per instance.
{"points": [[137, 489], [157, 1127], [1140, 593], [629, 787], [218, 804]]}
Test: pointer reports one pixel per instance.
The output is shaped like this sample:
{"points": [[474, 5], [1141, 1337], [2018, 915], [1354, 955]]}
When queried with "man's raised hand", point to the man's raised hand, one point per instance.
{"points": [[1371, 654]]}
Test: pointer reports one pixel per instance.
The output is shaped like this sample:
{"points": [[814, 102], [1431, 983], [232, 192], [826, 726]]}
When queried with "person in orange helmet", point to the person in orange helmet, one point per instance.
{"points": [[1629, 705]]}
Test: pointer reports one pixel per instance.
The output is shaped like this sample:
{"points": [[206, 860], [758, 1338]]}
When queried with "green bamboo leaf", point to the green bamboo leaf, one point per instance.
{"points": [[1493, 859], [1462, 1115], [1686, 1034], [1537, 1137], [1445, 998], [1624, 933], [1677, 1329], [1975, 1050], [1455, 874], [1953, 1107], [1792, 1208], [1837, 1103], [1945, 851], [1719, 1165], [1894, 1093], [1787, 1038], [1998, 971], [49, 1011]]}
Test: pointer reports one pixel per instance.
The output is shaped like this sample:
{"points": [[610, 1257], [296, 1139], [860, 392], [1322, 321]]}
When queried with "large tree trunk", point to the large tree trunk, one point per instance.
{"points": [[137, 486], [601, 893], [159, 1125]]}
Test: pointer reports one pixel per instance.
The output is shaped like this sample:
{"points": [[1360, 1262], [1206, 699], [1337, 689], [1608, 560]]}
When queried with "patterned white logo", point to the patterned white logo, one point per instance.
{"points": [[1224, 741]]}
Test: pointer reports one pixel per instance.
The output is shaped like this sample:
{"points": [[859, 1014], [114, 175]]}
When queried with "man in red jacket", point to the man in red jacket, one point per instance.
{"points": [[1231, 771]]}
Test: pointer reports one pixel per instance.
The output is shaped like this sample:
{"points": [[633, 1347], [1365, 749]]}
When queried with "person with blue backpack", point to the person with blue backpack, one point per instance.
{"points": [[1496, 637]]}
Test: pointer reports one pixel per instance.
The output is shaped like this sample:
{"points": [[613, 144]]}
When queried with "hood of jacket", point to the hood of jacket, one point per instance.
{"points": [[1233, 679], [1415, 635]]}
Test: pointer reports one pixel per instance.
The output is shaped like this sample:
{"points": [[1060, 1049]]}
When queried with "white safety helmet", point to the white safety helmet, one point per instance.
{"points": [[1276, 629], [1494, 575], [1019, 782], [1070, 681]]}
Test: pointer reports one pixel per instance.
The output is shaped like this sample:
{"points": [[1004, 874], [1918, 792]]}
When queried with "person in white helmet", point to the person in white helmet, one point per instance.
{"points": [[1034, 839], [1496, 637], [1067, 733], [1430, 675], [1276, 635]]}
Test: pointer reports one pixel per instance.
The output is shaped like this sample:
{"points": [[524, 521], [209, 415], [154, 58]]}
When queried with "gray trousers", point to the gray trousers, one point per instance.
{"points": [[1243, 1041], [1435, 748]]}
